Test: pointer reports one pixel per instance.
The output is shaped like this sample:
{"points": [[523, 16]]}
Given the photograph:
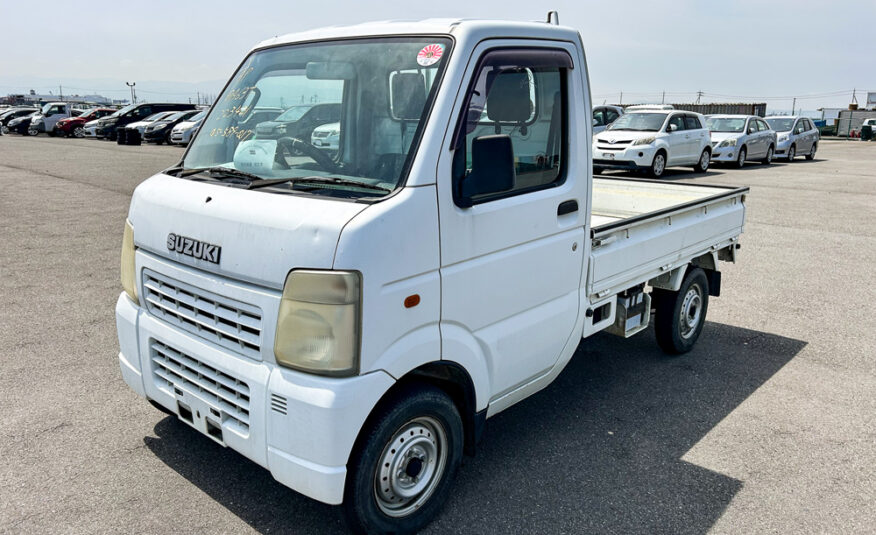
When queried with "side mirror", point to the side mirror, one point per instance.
{"points": [[671, 128], [492, 169]]}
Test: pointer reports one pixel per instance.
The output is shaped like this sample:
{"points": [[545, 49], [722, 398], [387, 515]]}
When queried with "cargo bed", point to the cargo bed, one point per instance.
{"points": [[641, 229]]}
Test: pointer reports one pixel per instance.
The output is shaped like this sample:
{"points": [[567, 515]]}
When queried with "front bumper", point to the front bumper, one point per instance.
{"points": [[782, 148], [631, 157], [724, 154], [301, 427], [154, 135]]}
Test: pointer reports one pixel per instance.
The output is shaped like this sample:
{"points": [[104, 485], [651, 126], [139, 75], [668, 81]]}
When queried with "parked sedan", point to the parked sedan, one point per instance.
{"points": [[796, 135], [183, 132], [299, 121], [140, 126], [326, 137], [21, 124], [9, 114], [159, 131], [75, 126], [738, 138]]}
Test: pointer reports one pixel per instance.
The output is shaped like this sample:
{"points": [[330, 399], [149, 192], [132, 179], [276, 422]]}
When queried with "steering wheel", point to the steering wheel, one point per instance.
{"points": [[291, 144]]}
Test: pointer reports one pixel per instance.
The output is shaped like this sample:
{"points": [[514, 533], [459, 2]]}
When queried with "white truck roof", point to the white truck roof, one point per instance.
{"points": [[455, 27]]}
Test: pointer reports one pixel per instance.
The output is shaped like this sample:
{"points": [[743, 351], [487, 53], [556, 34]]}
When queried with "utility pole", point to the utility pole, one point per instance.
{"points": [[663, 100], [133, 93], [61, 92], [793, 105], [199, 98], [621, 102], [699, 96]]}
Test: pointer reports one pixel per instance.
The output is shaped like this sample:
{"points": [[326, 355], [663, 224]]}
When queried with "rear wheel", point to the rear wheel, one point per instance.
{"points": [[682, 314], [768, 159], [811, 155], [658, 166], [703, 163], [404, 461]]}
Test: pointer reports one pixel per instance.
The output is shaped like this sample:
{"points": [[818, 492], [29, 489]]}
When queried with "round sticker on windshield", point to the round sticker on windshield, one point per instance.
{"points": [[429, 55]]}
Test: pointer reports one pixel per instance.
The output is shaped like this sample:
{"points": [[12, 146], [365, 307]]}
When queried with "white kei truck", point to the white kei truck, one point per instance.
{"points": [[350, 320]]}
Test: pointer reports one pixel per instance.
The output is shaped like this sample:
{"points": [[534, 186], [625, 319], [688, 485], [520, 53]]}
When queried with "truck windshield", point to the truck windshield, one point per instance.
{"points": [[781, 125], [641, 122], [725, 124], [379, 92]]}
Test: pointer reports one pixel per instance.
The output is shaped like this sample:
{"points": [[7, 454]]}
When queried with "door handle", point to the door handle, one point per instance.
{"points": [[567, 207]]}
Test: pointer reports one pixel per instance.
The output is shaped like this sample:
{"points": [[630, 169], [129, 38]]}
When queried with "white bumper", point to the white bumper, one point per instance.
{"points": [[631, 157], [299, 426], [724, 154]]}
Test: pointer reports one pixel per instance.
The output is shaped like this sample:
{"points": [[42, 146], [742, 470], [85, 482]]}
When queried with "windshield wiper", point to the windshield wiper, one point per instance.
{"points": [[263, 183], [225, 171]]}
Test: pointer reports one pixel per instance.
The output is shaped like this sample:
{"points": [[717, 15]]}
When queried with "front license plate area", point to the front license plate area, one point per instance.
{"points": [[609, 155], [201, 416]]}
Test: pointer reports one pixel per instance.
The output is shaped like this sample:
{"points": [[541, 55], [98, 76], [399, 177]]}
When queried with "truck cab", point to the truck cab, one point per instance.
{"points": [[350, 319]]}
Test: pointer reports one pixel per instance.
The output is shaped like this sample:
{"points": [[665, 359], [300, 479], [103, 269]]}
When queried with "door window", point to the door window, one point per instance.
{"points": [[611, 115], [678, 121], [692, 122], [522, 95], [599, 117], [799, 128]]}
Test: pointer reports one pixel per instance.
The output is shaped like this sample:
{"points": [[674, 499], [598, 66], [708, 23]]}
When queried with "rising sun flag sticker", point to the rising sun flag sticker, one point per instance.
{"points": [[429, 55]]}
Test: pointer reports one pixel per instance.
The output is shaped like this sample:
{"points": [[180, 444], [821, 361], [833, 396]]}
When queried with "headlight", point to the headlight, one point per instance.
{"points": [[318, 323], [128, 271], [728, 143], [158, 127], [784, 137], [645, 140]]}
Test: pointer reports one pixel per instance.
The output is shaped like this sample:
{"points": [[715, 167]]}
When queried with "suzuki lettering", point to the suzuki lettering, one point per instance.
{"points": [[194, 248]]}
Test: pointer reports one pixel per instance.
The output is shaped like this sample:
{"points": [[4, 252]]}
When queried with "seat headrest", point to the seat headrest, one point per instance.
{"points": [[408, 96], [508, 97]]}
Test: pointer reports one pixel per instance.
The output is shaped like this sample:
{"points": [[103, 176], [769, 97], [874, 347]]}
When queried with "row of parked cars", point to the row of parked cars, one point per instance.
{"points": [[152, 122], [652, 138], [169, 123]]}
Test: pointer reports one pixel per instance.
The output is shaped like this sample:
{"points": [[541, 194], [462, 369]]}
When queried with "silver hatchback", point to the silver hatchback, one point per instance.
{"points": [[797, 135]]}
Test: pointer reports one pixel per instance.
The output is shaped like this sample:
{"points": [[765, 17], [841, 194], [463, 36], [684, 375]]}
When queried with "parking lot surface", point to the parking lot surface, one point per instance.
{"points": [[768, 425]]}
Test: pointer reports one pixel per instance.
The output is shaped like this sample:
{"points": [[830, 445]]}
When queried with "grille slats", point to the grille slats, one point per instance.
{"points": [[233, 325], [176, 369]]}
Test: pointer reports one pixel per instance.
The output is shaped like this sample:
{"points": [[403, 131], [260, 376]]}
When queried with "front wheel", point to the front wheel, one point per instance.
{"points": [[658, 166], [811, 155], [79, 132], [32, 131], [792, 152], [682, 314], [703, 163], [404, 462], [768, 159], [740, 159]]}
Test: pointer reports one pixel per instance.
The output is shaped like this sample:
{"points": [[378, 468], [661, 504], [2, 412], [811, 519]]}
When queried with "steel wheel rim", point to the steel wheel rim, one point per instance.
{"points": [[691, 312], [659, 164], [704, 161], [411, 466]]}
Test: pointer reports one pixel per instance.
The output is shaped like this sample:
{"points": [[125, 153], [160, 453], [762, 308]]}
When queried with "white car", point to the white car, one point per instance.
{"points": [[183, 132], [140, 126], [737, 138], [796, 135], [604, 116], [91, 128], [326, 137], [653, 139]]}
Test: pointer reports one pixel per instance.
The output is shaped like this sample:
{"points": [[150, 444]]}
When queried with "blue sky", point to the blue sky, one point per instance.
{"points": [[778, 49]]}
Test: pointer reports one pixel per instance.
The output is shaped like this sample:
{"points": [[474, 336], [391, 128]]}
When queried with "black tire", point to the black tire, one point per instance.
{"points": [[703, 163], [792, 152], [740, 158], [658, 166], [768, 159], [811, 155], [409, 414], [675, 336]]}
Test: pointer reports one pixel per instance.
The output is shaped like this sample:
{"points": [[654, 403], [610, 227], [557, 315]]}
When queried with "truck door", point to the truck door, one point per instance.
{"points": [[512, 248]]}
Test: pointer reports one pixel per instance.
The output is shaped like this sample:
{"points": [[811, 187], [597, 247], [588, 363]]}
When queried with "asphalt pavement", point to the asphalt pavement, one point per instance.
{"points": [[767, 426]]}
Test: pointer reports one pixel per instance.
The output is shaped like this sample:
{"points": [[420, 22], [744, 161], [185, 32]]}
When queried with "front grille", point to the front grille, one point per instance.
{"points": [[177, 370], [228, 323], [609, 147]]}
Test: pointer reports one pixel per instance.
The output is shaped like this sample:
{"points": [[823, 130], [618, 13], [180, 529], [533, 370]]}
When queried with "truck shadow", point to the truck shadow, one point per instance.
{"points": [[600, 450]]}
